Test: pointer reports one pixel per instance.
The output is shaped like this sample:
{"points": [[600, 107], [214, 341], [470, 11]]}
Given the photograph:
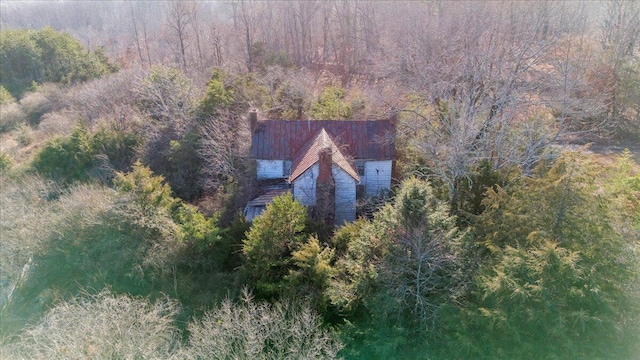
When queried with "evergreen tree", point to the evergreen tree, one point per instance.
{"points": [[273, 238], [555, 273], [332, 104]]}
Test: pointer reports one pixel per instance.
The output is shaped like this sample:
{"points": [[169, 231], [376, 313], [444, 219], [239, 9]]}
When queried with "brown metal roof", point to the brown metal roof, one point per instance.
{"points": [[283, 139], [309, 155]]}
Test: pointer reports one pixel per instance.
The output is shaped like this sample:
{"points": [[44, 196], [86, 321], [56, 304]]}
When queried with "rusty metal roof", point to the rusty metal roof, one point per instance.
{"points": [[357, 139], [309, 155]]}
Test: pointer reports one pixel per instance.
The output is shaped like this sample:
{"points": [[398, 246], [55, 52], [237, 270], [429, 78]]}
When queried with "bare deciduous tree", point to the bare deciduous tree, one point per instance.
{"points": [[482, 87], [619, 39], [180, 20], [224, 148]]}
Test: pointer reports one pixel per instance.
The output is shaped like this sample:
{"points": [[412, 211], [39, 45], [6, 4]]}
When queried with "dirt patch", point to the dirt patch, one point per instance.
{"points": [[608, 151], [616, 149]]}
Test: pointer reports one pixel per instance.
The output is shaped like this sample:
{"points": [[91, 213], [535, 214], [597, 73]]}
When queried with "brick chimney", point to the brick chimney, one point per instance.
{"points": [[325, 187], [324, 161]]}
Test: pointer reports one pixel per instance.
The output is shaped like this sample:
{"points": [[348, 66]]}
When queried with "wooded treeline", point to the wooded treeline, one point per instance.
{"points": [[124, 165], [579, 59]]}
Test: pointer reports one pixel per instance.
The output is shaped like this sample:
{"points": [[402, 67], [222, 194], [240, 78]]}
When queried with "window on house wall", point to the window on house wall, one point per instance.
{"points": [[360, 191], [286, 168], [360, 188], [360, 167]]}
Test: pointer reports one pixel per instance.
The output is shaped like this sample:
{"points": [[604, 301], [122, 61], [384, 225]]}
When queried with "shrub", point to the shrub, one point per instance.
{"points": [[218, 97], [110, 96], [313, 269], [404, 265], [5, 161], [292, 99], [5, 96], [278, 58], [195, 229], [149, 190], [227, 254], [153, 195], [46, 56], [101, 326], [182, 166], [25, 135], [88, 237], [67, 159], [83, 155], [167, 98], [34, 105], [118, 147], [55, 93], [64, 60], [27, 218], [55, 243], [59, 123], [20, 58], [423, 236], [251, 330], [332, 104], [11, 115]]}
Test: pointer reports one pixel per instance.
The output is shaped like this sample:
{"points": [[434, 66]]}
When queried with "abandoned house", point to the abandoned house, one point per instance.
{"points": [[326, 164]]}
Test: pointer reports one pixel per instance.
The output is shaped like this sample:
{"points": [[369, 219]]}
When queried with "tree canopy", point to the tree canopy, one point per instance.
{"points": [[46, 56]]}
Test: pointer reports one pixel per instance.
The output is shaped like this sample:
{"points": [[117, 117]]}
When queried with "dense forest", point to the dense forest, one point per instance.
{"points": [[512, 230]]}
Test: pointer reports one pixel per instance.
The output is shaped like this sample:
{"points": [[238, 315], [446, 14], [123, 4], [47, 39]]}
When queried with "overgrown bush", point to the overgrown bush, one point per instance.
{"points": [[112, 96], [107, 325], [5, 161], [166, 97], [136, 241], [84, 155], [218, 96], [57, 123], [11, 116], [34, 105], [27, 219], [270, 243], [67, 159], [20, 58], [401, 270], [252, 330], [153, 196], [36, 237], [117, 148], [100, 326], [5, 97], [24, 135], [331, 105]]}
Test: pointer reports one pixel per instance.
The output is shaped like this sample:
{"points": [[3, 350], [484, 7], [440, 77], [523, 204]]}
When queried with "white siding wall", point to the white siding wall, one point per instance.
{"points": [[304, 190], [252, 212], [377, 176], [345, 196], [304, 187], [270, 169]]}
